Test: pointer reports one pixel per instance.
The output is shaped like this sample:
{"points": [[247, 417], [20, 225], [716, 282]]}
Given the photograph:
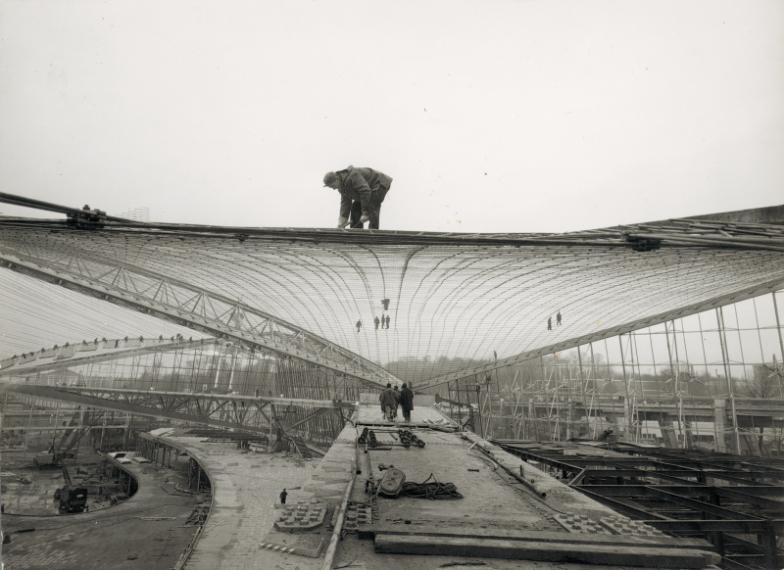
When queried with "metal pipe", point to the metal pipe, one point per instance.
{"points": [[329, 555], [679, 393], [674, 372], [627, 410], [582, 385], [781, 340], [728, 375]]}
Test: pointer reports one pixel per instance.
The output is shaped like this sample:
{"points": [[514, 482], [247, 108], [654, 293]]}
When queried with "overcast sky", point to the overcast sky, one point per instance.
{"points": [[499, 115]]}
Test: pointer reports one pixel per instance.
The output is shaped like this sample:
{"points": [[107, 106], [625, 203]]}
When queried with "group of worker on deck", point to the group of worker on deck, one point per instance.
{"points": [[391, 399]]}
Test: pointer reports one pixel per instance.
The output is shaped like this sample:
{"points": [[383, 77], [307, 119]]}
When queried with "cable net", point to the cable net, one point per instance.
{"points": [[451, 302]]}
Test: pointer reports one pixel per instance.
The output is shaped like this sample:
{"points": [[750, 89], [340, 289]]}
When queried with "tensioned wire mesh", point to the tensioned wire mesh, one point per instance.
{"points": [[35, 315], [468, 302]]}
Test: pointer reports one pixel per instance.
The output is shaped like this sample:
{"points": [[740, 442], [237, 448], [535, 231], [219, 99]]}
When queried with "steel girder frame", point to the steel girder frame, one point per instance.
{"points": [[247, 413], [183, 304], [701, 508], [89, 419], [640, 467]]}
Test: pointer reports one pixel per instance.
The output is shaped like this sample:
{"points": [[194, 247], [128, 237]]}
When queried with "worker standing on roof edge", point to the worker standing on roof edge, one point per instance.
{"points": [[362, 190]]}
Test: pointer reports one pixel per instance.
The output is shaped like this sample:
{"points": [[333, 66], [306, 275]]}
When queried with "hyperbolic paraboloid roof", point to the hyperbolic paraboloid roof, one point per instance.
{"points": [[455, 295]]}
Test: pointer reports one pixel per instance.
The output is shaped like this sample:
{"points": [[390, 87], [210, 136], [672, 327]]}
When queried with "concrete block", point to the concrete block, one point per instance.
{"points": [[638, 556]]}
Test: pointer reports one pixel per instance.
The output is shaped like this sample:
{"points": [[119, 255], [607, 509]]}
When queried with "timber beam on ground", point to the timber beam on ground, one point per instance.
{"points": [[216, 410]]}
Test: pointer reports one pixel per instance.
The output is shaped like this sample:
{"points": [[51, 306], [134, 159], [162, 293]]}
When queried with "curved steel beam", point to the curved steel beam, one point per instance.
{"points": [[217, 410], [181, 303], [77, 354]]}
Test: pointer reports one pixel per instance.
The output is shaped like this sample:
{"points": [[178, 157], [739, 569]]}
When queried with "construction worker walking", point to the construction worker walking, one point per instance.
{"points": [[406, 402], [362, 190], [388, 401]]}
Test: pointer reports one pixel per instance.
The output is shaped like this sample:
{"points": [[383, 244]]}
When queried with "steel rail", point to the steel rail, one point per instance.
{"points": [[613, 237]]}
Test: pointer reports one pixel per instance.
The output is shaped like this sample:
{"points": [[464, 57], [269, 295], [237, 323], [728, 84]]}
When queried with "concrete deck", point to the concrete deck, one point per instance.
{"points": [[500, 523]]}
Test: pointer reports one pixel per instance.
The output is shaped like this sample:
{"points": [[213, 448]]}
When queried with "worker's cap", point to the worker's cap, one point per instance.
{"points": [[330, 178]]}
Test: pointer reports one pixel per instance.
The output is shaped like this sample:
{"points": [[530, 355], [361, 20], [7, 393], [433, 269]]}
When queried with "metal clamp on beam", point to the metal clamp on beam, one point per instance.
{"points": [[87, 218], [639, 243]]}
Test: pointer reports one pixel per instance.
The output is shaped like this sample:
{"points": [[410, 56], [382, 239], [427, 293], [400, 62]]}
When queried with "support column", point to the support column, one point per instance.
{"points": [[720, 424], [627, 401], [781, 339], [688, 431], [532, 418], [668, 432], [627, 420], [127, 430], [728, 375]]}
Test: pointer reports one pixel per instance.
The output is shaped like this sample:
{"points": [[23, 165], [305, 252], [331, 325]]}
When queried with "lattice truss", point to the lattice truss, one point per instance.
{"points": [[480, 298], [254, 414]]}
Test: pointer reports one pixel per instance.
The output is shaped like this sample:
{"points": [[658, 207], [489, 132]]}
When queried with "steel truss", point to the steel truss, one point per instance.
{"points": [[720, 497], [245, 413], [184, 304]]}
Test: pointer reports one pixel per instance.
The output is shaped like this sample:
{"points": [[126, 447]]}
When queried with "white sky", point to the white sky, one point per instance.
{"points": [[500, 115]]}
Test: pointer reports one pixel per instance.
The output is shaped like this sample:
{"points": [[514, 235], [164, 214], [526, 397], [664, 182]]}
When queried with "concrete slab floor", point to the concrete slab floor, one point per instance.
{"points": [[493, 502], [246, 487]]}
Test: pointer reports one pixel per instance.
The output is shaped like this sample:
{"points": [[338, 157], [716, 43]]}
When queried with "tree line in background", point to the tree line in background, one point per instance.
{"points": [[562, 373]]}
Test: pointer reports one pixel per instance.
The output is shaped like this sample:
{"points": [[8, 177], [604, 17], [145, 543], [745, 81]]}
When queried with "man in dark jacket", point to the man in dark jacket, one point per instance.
{"points": [[388, 402], [361, 192], [406, 402]]}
